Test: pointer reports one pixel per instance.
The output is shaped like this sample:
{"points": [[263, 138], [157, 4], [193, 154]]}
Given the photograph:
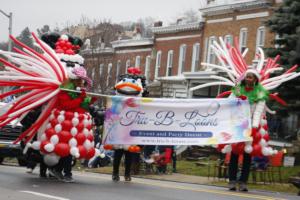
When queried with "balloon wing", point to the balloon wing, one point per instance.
{"points": [[37, 74]]}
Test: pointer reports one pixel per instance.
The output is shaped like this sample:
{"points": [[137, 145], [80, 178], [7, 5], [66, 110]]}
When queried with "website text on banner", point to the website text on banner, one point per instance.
{"points": [[148, 121]]}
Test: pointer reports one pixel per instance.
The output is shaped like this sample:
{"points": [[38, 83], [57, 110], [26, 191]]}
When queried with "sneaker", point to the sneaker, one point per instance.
{"points": [[232, 186], [243, 187], [115, 178], [68, 179], [29, 171], [127, 178], [56, 174]]}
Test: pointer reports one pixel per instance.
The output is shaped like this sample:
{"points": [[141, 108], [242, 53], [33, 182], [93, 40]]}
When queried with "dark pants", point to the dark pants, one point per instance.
{"points": [[65, 165], [233, 168], [117, 159]]}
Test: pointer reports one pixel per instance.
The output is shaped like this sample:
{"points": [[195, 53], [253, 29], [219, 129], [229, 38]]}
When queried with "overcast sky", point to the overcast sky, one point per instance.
{"points": [[36, 13]]}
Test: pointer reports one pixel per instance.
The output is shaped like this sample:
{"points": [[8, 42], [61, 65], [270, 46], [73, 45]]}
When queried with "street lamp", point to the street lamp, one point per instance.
{"points": [[9, 16]]}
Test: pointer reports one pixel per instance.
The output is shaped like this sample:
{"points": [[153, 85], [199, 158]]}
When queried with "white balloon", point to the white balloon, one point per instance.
{"points": [[74, 131], [102, 155], [48, 126], [58, 128], [62, 112], [74, 151], [263, 143], [73, 142], [262, 131], [87, 144], [265, 151], [75, 121], [36, 145], [43, 137], [223, 151], [77, 155], [52, 116], [86, 132], [61, 118], [248, 149], [85, 122], [76, 114], [49, 147], [54, 139], [263, 122], [51, 159], [126, 147]]}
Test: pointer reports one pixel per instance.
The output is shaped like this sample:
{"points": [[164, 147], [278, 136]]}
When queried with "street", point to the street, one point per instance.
{"points": [[17, 185]]}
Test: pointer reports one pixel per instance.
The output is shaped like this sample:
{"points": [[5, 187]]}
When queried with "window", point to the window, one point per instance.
{"points": [[127, 65], [157, 64], [138, 61], [118, 70], [228, 39], [101, 70], [260, 37], [147, 67], [170, 63], [93, 74], [243, 39], [109, 69], [211, 57], [181, 62], [195, 57]]}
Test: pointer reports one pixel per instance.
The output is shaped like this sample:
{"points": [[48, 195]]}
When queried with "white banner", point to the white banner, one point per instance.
{"points": [[148, 121]]}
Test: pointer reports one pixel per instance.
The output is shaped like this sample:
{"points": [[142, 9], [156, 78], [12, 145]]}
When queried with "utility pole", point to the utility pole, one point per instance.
{"points": [[9, 16]]}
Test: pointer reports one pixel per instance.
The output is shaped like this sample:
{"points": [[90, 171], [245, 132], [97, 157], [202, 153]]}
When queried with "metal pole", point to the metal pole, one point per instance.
{"points": [[9, 16], [10, 32]]}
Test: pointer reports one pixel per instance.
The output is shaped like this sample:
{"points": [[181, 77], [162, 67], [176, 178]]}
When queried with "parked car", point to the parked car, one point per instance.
{"points": [[8, 134]]}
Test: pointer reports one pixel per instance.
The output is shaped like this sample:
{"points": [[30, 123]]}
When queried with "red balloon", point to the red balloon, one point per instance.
{"points": [[53, 122], [220, 147], [89, 127], [136, 149], [59, 50], [69, 115], [80, 137], [81, 117], [49, 132], [90, 153], [131, 149], [108, 147], [240, 147], [64, 136], [43, 143], [257, 138], [56, 113], [254, 132], [62, 149], [90, 137], [66, 125], [266, 137], [70, 52], [266, 127], [82, 151], [80, 127], [256, 150]]}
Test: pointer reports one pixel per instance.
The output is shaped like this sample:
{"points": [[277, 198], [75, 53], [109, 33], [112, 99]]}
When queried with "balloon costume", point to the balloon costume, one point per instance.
{"points": [[232, 63], [64, 127]]}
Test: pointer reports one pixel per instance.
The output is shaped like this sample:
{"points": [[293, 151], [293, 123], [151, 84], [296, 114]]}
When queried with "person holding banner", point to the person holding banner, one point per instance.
{"points": [[130, 84], [251, 83], [249, 89]]}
